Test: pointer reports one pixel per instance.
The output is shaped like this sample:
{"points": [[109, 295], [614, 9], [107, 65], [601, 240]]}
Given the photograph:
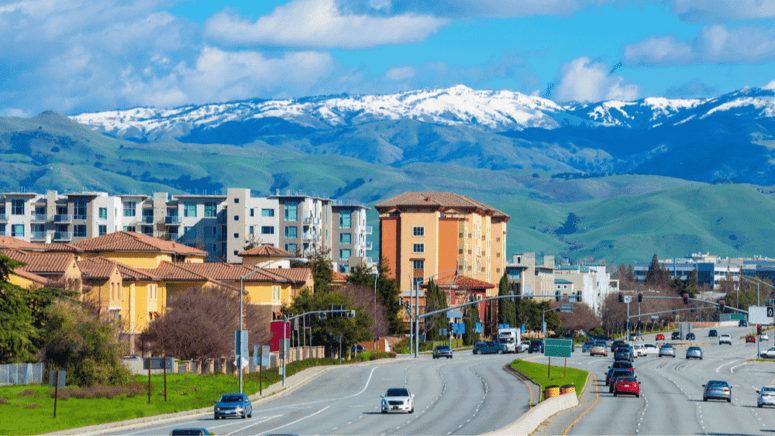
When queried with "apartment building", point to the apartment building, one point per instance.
{"points": [[426, 234], [532, 279], [250, 220], [350, 245]]}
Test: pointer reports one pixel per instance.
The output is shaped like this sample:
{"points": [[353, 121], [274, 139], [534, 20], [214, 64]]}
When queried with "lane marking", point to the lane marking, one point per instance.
{"points": [[515, 374], [247, 426], [294, 422], [728, 363], [597, 397]]}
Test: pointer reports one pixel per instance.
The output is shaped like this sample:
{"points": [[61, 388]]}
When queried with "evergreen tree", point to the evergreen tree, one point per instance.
{"points": [[471, 318], [630, 274], [653, 273], [691, 287], [506, 309], [436, 299]]}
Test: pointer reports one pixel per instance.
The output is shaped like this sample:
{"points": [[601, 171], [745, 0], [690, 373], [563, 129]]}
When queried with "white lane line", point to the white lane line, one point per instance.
{"points": [[725, 364], [294, 422], [733, 368], [326, 401], [248, 426]]}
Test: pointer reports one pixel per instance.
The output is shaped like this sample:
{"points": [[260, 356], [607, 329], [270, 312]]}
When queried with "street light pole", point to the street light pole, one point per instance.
{"points": [[376, 276]]}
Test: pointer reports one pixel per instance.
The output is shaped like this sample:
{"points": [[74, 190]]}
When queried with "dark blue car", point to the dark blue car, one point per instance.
{"points": [[489, 347], [536, 346]]}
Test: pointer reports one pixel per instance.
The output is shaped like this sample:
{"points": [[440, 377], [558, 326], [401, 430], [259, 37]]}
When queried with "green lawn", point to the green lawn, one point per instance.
{"points": [[539, 373]]}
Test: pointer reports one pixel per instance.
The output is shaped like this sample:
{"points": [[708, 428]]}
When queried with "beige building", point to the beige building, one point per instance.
{"points": [[531, 278]]}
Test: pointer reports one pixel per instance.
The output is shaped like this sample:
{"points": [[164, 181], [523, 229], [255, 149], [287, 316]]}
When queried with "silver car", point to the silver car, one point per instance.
{"points": [[766, 396], [694, 353], [666, 350], [398, 400], [718, 390]]}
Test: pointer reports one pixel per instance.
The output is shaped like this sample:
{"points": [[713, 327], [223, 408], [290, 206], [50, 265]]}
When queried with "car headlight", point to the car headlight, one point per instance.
{"points": [[217, 408], [238, 409]]}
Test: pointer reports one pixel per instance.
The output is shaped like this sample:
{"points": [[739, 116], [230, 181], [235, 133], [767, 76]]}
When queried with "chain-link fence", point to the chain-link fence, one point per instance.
{"points": [[21, 373]]}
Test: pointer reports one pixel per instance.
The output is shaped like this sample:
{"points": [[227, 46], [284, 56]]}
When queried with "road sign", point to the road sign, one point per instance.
{"points": [[241, 343], [737, 317], [654, 316], [242, 363], [770, 311], [567, 308], [558, 347], [628, 299], [758, 315], [454, 314]]}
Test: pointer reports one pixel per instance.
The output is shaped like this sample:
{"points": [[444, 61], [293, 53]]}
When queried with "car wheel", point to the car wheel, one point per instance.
{"points": [[637, 395], [704, 399], [760, 406], [729, 400], [243, 413], [411, 411], [215, 417], [499, 351], [383, 412]]}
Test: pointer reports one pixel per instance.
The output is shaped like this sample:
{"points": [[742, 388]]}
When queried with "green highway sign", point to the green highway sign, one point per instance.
{"points": [[737, 316], [558, 347]]}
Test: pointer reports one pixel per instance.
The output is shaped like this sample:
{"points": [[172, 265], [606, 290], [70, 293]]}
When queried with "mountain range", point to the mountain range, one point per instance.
{"points": [[620, 167]]}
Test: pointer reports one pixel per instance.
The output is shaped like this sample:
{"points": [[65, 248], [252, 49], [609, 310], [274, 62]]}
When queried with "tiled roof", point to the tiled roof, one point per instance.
{"points": [[232, 272], [97, 268], [30, 276], [11, 242], [295, 275], [60, 248], [461, 282], [132, 241], [266, 250], [336, 276], [129, 273], [41, 263], [447, 200]]}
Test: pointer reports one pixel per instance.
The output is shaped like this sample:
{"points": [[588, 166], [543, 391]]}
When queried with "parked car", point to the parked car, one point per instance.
{"points": [[742, 323], [616, 372], [536, 346], [676, 336], [694, 353], [357, 348], [190, 432], [650, 349], [232, 406], [717, 390], [598, 349], [725, 339], [587, 345], [750, 338], [489, 347], [666, 350], [627, 386], [766, 396], [660, 337], [397, 400], [768, 354], [442, 351], [712, 334], [690, 336]]}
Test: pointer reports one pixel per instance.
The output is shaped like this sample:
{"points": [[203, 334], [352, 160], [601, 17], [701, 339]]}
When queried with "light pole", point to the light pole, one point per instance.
{"points": [[376, 276], [241, 292], [411, 323], [417, 311], [758, 302]]}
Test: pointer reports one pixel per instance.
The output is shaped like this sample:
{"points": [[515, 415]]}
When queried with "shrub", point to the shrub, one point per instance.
{"points": [[110, 392], [3, 400], [26, 393], [31, 406]]}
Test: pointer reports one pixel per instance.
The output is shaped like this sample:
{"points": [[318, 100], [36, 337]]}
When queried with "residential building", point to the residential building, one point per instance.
{"points": [[531, 279], [250, 220], [350, 244], [304, 223]]}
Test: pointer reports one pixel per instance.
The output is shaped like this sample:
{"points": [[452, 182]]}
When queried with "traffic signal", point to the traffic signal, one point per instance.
{"points": [[674, 311], [621, 297], [721, 305], [686, 298], [640, 297], [758, 329], [692, 309]]}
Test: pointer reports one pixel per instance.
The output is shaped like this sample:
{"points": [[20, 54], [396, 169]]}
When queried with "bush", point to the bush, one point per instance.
{"points": [[3, 400], [26, 393], [110, 392], [31, 406]]}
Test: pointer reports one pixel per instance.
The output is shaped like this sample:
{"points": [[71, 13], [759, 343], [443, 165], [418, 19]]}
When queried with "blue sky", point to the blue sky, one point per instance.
{"points": [[76, 56]]}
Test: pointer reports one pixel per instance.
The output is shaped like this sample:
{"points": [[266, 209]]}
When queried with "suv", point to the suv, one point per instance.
{"points": [[742, 323], [442, 351], [488, 347], [536, 345], [712, 334], [725, 339], [676, 335]]}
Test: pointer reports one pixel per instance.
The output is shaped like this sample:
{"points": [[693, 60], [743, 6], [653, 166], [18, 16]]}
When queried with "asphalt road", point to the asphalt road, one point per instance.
{"points": [[465, 395], [671, 393]]}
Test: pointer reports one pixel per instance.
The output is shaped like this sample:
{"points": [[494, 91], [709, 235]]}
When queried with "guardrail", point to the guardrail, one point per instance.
{"points": [[39, 218], [63, 236], [172, 220]]}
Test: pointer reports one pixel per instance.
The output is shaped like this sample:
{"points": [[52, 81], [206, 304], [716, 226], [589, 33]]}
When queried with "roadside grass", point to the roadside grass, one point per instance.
{"points": [[29, 409], [538, 373]]}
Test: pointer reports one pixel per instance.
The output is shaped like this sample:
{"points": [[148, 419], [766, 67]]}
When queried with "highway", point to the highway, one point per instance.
{"points": [[465, 395]]}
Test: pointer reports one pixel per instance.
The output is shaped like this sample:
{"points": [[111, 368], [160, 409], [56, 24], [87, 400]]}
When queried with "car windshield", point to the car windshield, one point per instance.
{"points": [[397, 392], [231, 398], [717, 384], [440, 347], [768, 389], [186, 432], [650, 346], [534, 342], [694, 348], [620, 364], [626, 379], [619, 372], [667, 346], [506, 340], [601, 343]]}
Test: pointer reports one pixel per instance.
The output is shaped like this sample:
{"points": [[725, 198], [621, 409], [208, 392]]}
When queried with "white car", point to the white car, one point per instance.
{"points": [[398, 400], [650, 349], [768, 354], [763, 337], [766, 396], [523, 346], [638, 350], [725, 339]]}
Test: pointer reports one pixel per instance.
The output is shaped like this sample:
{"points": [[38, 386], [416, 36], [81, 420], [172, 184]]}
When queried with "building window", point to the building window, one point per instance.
{"points": [[103, 213], [235, 252], [17, 207], [267, 212], [147, 230], [40, 210], [79, 209], [2, 229], [345, 238], [236, 217], [103, 230], [79, 230], [291, 212], [236, 201], [417, 281], [252, 212], [344, 254], [291, 232], [129, 228], [236, 236], [290, 247], [345, 220], [418, 264], [17, 230], [267, 230], [215, 230], [418, 231], [189, 210], [418, 248], [210, 210], [250, 230], [130, 208], [189, 230]]}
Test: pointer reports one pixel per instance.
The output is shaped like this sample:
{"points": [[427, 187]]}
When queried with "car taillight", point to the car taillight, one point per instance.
{"points": [[726, 390], [631, 369]]}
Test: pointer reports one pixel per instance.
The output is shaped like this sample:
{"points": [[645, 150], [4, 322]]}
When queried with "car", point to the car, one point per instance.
{"points": [[536, 345], [639, 350], [750, 338], [666, 350], [442, 351], [694, 353], [650, 349], [690, 336], [616, 372], [587, 345], [190, 432], [233, 405], [768, 354], [763, 337], [623, 353], [616, 343], [605, 338], [725, 339], [712, 334], [488, 347], [717, 390], [598, 349], [397, 400], [627, 386], [523, 346], [766, 396], [623, 364], [636, 337], [660, 337], [742, 323], [615, 375], [676, 336]]}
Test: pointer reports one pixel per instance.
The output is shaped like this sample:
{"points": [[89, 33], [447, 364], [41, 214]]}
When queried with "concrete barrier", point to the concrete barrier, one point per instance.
{"points": [[533, 418]]}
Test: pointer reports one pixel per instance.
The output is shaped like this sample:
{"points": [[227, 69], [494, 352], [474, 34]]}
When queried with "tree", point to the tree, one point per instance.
{"points": [[435, 299], [387, 291], [653, 273], [582, 317], [162, 230], [363, 298], [252, 241], [471, 317], [507, 313]]}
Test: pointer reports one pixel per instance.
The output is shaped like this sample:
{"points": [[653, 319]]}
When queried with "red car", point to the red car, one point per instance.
{"points": [[626, 386], [750, 338], [660, 337]]}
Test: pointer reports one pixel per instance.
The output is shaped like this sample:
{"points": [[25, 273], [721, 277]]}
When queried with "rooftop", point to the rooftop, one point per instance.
{"points": [[442, 200]]}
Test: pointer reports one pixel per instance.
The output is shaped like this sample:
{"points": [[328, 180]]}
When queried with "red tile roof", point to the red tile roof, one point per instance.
{"points": [[41, 263], [266, 250], [336, 276], [11, 242], [132, 241], [60, 247], [97, 268], [295, 275], [177, 271], [438, 200], [461, 282], [33, 277]]}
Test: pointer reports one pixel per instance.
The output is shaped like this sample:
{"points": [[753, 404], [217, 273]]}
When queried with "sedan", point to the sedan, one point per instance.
{"points": [[442, 351], [616, 372], [623, 364], [766, 396], [763, 337], [712, 334], [693, 353], [536, 345], [598, 350], [627, 386], [768, 354], [690, 336], [233, 405], [398, 400], [725, 339], [489, 347], [650, 349], [666, 350], [660, 337], [750, 338], [676, 335], [623, 354], [718, 390]]}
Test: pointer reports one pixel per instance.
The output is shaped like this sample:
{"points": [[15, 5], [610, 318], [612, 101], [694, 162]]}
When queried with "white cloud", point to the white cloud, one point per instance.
{"points": [[585, 80], [715, 44], [320, 24], [14, 112], [770, 85], [400, 73], [478, 8], [722, 10]]}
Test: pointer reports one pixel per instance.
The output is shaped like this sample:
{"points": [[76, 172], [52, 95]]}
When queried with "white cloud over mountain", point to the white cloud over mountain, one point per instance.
{"points": [[584, 80], [722, 10]]}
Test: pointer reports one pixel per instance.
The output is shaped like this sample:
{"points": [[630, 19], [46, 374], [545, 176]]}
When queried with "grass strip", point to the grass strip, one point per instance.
{"points": [[538, 373]]}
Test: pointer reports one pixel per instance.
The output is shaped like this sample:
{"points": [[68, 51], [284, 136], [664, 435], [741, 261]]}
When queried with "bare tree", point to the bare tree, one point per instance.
{"points": [[363, 297], [582, 317]]}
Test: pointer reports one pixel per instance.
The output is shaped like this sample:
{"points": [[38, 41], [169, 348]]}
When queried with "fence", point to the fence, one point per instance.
{"points": [[21, 373]]}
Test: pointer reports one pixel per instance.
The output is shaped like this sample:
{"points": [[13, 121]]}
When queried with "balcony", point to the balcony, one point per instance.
{"points": [[309, 237], [63, 218], [172, 220], [147, 220], [38, 236], [367, 245], [366, 230], [63, 236], [39, 218], [3, 218], [311, 221]]}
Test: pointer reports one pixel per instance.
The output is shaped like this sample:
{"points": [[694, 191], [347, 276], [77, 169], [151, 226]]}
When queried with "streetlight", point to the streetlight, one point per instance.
{"points": [[376, 276], [757, 281], [417, 311], [242, 291]]}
